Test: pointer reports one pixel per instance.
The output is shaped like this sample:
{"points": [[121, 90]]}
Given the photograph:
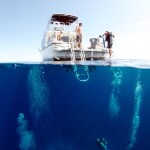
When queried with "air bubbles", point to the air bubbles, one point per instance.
{"points": [[136, 115], [27, 140], [114, 107]]}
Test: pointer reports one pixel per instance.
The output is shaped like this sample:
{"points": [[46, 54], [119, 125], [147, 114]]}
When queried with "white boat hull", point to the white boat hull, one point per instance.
{"points": [[63, 53]]}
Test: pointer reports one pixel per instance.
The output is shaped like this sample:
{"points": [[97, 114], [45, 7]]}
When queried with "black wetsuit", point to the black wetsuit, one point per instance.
{"points": [[101, 143], [109, 41]]}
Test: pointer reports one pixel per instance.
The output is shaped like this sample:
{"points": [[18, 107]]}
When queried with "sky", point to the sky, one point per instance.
{"points": [[23, 22]]}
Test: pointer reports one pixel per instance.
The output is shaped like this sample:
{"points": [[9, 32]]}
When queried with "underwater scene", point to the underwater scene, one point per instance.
{"points": [[47, 106]]}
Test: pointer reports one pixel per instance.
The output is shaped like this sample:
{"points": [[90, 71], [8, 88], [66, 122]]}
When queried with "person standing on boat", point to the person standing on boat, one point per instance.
{"points": [[79, 36], [109, 39]]}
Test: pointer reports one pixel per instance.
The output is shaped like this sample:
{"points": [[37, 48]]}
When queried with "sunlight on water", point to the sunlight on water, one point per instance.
{"points": [[27, 140], [39, 93], [136, 115], [114, 106]]}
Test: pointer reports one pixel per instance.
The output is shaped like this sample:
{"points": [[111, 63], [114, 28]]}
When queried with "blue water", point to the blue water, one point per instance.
{"points": [[66, 107]]}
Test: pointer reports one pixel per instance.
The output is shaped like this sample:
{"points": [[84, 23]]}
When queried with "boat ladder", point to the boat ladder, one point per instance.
{"points": [[72, 55], [82, 55], [82, 72]]}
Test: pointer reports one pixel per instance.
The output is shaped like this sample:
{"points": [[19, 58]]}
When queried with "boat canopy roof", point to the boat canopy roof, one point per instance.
{"points": [[63, 18]]}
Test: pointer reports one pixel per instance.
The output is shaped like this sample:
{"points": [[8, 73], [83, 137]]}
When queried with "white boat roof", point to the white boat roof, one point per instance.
{"points": [[63, 18]]}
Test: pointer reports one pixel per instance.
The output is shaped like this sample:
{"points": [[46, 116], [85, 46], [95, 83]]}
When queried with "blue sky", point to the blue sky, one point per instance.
{"points": [[23, 23]]}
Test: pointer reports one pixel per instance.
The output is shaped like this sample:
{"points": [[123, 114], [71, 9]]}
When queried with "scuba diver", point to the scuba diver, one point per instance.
{"points": [[109, 38], [101, 143]]}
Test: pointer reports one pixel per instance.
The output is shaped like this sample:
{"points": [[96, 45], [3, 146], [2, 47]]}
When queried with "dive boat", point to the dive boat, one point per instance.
{"points": [[65, 49]]}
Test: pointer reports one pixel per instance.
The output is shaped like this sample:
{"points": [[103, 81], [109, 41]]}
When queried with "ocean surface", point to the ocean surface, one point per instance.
{"points": [[68, 106]]}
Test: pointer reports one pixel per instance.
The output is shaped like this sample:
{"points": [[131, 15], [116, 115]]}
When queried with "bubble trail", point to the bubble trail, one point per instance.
{"points": [[39, 93], [114, 106], [27, 140], [136, 115]]}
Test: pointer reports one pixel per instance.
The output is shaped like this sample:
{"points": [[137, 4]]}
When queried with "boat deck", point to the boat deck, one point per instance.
{"points": [[80, 54]]}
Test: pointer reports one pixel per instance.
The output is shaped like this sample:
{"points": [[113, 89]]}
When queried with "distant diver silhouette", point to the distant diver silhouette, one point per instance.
{"points": [[101, 143]]}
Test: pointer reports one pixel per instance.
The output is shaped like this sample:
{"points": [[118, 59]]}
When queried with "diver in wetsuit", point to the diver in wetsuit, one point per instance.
{"points": [[101, 143], [109, 39]]}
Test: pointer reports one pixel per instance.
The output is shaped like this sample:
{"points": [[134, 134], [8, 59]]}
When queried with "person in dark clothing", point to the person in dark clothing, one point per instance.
{"points": [[101, 143], [109, 39]]}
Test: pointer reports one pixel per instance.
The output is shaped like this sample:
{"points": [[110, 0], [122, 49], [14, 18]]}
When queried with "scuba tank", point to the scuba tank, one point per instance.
{"points": [[111, 38]]}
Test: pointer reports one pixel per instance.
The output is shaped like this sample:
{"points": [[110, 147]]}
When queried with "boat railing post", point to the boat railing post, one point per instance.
{"points": [[69, 36]]}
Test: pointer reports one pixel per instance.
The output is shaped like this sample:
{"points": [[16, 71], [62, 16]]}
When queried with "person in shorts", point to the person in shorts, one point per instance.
{"points": [[79, 36]]}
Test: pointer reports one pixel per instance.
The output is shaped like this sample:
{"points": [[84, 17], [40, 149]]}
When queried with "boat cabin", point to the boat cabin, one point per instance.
{"points": [[60, 24]]}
